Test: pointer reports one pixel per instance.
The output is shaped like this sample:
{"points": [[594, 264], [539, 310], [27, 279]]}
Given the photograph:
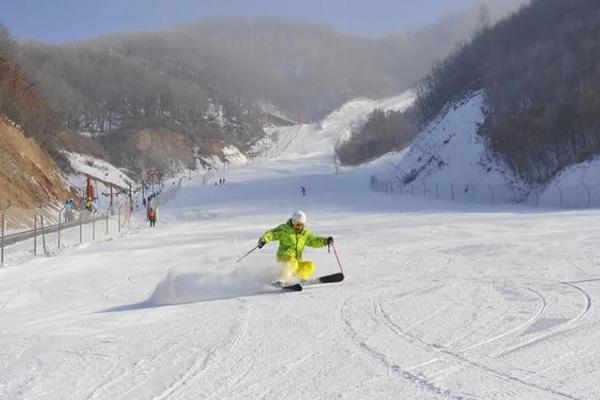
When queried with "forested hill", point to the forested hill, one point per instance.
{"points": [[216, 83], [30, 131], [208, 85], [22, 104], [540, 72]]}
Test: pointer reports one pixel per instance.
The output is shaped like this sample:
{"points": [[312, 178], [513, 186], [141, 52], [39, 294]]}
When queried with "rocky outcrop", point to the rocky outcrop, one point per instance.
{"points": [[28, 177]]}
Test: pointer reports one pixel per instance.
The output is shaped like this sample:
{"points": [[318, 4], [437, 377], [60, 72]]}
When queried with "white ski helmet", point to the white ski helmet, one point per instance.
{"points": [[299, 217]]}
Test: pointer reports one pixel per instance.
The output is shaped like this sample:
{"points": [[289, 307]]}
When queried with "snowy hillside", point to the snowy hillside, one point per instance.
{"points": [[321, 138], [231, 156], [440, 301], [449, 160], [103, 174], [576, 187], [99, 169]]}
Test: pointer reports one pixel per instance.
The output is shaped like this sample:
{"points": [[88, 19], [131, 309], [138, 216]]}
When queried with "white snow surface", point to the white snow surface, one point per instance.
{"points": [[440, 301]]}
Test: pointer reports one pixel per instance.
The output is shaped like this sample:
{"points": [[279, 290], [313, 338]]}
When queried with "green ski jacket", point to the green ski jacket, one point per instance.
{"points": [[291, 244]]}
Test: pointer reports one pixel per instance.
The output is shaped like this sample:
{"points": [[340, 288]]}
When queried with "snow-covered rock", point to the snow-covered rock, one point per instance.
{"points": [[450, 160], [234, 156], [217, 166], [87, 165], [103, 174]]}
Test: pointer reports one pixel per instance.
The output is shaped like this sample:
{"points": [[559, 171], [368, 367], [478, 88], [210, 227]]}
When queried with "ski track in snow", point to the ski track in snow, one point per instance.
{"points": [[440, 301]]}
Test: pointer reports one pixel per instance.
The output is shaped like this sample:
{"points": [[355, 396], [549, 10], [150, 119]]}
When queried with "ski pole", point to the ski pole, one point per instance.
{"points": [[246, 255], [337, 258]]}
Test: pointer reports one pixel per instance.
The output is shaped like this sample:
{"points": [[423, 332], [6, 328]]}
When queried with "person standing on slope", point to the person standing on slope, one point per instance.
{"points": [[89, 205], [152, 217], [293, 236]]}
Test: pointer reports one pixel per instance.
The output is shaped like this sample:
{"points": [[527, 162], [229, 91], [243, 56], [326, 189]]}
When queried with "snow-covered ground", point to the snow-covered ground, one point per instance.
{"points": [[577, 186], [441, 301]]}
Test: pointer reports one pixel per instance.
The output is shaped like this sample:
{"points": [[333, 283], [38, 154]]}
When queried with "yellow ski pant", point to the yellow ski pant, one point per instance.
{"points": [[296, 268]]}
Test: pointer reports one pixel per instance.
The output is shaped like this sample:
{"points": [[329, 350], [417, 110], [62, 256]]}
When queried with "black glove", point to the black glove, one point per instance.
{"points": [[329, 241], [261, 243]]}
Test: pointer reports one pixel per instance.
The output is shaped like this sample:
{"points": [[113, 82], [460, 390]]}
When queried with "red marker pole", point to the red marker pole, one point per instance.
{"points": [[337, 258]]}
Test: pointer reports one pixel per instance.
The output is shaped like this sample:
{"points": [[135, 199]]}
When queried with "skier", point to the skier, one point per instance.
{"points": [[69, 205], [89, 205], [303, 189], [293, 236], [152, 217]]}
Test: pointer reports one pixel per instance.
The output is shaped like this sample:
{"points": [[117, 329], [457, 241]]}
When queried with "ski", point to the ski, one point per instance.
{"points": [[333, 278], [292, 288], [289, 288]]}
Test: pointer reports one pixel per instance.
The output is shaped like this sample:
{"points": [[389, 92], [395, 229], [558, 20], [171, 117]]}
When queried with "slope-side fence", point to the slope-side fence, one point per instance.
{"points": [[559, 196], [73, 226]]}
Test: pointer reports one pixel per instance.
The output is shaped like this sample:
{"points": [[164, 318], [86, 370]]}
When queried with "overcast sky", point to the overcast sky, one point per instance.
{"points": [[60, 21]]}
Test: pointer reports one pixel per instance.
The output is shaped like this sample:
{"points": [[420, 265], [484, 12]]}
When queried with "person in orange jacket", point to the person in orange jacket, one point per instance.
{"points": [[152, 217]]}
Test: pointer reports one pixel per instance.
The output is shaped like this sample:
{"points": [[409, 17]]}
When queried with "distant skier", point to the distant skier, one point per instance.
{"points": [[69, 206], [69, 203], [152, 217], [293, 236], [303, 189], [89, 205]]}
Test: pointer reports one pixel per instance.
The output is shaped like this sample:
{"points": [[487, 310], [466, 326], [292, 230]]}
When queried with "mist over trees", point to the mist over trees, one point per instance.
{"points": [[410, 55], [219, 82], [541, 73], [19, 100], [540, 69], [304, 69], [385, 132], [212, 82], [22, 104]]}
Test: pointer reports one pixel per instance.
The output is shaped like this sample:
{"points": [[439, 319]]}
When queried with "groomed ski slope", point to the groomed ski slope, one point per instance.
{"points": [[441, 301]]}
